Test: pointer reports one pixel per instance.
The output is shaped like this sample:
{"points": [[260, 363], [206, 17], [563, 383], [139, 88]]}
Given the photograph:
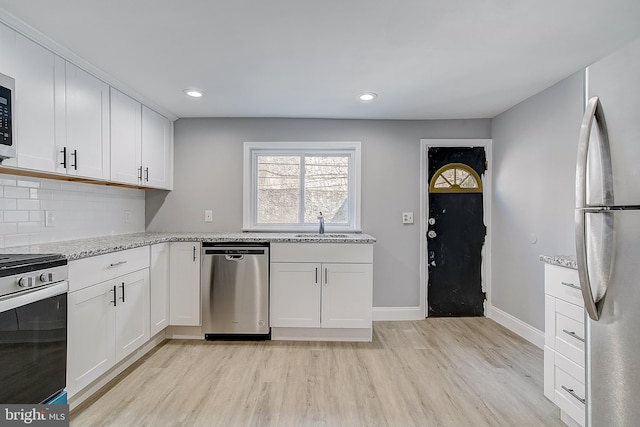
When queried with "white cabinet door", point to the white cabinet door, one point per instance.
{"points": [[184, 284], [347, 295], [159, 287], [91, 334], [87, 126], [126, 149], [295, 294], [132, 312], [34, 72], [157, 149]]}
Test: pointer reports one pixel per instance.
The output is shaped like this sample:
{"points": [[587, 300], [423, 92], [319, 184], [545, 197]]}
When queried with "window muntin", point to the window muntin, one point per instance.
{"points": [[287, 185], [455, 178]]}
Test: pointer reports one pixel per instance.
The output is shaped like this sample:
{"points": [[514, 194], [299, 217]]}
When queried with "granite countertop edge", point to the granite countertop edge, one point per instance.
{"points": [[85, 248], [568, 261]]}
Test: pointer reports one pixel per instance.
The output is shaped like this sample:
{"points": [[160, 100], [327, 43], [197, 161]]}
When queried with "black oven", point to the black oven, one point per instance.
{"points": [[33, 334]]}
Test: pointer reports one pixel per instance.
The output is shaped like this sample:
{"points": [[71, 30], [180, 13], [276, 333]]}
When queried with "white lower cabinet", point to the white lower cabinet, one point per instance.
{"points": [[325, 300], [108, 313], [184, 284], [321, 295], [159, 287], [107, 322], [564, 351]]}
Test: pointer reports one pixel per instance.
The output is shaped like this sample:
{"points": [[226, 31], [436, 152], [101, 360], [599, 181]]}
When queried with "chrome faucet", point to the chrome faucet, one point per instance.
{"points": [[321, 218]]}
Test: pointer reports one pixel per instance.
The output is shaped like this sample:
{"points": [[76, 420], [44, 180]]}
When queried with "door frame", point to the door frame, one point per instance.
{"points": [[424, 210]]}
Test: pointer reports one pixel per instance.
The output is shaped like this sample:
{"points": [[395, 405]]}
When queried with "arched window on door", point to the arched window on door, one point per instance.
{"points": [[455, 178]]}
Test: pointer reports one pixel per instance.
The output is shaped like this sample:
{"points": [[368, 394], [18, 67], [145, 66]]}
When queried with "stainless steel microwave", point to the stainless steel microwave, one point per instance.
{"points": [[7, 139]]}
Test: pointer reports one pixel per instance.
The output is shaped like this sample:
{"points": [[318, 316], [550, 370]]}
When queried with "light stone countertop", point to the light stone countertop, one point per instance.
{"points": [[568, 261], [84, 248]]}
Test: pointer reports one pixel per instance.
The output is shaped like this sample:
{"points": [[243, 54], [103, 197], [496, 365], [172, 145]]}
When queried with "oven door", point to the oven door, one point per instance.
{"points": [[33, 344]]}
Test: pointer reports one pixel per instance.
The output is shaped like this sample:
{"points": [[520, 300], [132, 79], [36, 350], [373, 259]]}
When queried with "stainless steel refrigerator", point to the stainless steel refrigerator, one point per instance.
{"points": [[608, 237]]}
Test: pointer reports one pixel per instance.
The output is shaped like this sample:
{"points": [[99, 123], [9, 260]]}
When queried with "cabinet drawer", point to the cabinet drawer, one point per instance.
{"points": [[569, 331], [89, 271], [569, 388], [563, 283]]}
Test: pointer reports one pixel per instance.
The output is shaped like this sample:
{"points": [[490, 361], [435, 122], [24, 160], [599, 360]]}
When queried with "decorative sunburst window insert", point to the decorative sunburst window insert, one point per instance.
{"points": [[455, 178]]}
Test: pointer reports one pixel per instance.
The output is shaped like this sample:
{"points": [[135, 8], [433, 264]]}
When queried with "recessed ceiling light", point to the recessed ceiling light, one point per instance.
{"points": [[368, 96], [193, 93]]}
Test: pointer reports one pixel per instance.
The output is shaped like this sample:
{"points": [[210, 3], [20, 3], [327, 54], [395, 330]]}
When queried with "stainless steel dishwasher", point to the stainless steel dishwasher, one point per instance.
{"points": [[235, 291]]}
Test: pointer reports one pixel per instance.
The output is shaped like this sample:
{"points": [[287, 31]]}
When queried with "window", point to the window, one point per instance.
{"points": [[455, 178], [288, 184]]}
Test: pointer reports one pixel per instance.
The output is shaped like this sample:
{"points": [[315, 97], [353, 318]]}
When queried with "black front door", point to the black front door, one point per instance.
{"points": [[456, 231]]}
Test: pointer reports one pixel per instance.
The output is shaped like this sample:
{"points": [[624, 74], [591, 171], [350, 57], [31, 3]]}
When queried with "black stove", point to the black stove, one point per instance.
{"points": [[23, 272]]}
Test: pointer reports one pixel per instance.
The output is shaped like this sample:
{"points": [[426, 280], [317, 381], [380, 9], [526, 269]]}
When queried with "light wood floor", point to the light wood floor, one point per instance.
{"points": [[436, 372]]}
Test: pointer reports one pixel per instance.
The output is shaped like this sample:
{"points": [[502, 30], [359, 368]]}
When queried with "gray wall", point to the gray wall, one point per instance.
{"points": [[208, 175], [534, 157]]}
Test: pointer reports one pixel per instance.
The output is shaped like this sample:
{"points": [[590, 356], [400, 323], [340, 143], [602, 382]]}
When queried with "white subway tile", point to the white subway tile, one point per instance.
{"points": [[8, 228], [16, 216], [12, 240], [16, 192], [8, 204], [28, 205], [29, 227], [30, 184], [35, 216], [33, 193], [8, 181]]}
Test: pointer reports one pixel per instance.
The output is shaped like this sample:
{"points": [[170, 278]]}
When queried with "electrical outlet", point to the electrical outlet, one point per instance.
{"points": [[127, 217], [208, 215], [49, 218], [407, 217]]}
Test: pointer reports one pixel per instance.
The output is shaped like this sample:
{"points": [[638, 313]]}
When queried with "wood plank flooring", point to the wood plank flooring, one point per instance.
{"points": [[435, 372]]}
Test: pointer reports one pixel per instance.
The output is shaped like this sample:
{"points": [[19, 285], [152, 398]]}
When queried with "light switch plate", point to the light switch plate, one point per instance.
{"points": [[407, 217], [208, 215]]}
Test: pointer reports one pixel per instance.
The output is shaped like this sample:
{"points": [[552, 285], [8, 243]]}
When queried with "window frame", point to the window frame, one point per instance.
{"points": [[352, 149]]}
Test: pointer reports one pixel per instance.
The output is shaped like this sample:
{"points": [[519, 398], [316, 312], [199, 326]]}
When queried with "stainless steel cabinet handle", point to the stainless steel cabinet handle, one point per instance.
{"points": [[146, 174], [573, 393], [571, 285], [140, 173], [325, 276], [114, 302], [573, 334], [122, 287], [194, 254], [116, 264], [316, 275]]}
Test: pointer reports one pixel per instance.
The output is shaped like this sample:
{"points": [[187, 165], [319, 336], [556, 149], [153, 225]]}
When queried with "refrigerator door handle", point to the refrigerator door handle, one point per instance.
{"points": [[593, 111], [583, 271]]}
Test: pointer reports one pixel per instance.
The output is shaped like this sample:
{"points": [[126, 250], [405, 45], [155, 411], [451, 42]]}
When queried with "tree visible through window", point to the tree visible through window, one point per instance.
{"points": [[292, 186]]}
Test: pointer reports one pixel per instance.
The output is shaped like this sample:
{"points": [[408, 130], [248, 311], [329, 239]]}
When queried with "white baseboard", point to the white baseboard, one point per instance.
{"points": [[382, 314], [526, 331]]}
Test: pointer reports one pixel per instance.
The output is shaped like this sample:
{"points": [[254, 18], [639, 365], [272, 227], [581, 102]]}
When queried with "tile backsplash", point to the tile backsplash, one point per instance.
{"points": [[38, 210]]}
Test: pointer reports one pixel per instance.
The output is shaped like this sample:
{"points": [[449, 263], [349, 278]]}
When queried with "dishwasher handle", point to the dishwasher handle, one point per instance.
{"points": [[234, 257], [233, 252]]}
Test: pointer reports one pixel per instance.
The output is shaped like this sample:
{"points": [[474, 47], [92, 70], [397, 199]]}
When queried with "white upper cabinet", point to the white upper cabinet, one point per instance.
{"points": [[141, 144], [85, 149], [69, 122], [126, 146], [157, 150], [34, 69]]}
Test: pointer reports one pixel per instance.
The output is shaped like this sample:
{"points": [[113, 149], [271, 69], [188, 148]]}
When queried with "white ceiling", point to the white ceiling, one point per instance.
{"points": [[426, 59]]}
